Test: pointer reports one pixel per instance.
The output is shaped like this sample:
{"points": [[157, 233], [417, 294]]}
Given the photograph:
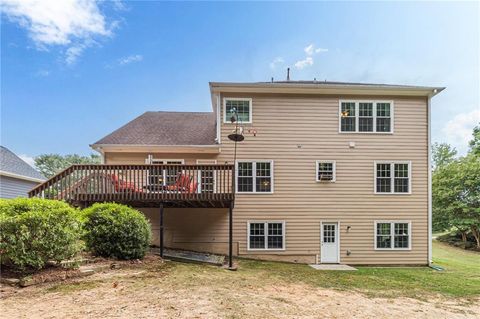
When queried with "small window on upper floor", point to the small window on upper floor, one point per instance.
{"points": [[242, 107], [325, 171], [366, 117]]}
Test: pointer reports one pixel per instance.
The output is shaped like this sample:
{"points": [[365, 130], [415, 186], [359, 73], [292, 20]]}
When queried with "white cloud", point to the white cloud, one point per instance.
{"points": [[310, 51], [458, 131], [308, 61], [130, 59], [68, 23], [320, 50], [277, 61], [28, 159]]}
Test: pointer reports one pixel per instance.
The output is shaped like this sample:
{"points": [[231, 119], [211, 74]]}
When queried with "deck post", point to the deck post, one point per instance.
{"points": [[230, 235], [161, 230]]}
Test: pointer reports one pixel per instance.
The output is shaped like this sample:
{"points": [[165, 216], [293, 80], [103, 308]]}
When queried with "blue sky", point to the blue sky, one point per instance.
{"points": [[74, 71]]}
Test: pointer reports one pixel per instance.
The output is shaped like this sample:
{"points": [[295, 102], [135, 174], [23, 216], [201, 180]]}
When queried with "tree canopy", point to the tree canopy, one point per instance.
{"points": [[456, 189], [51, 164]]}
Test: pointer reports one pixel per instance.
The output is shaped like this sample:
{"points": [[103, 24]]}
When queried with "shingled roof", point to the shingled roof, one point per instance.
{"points": [[165, 128], [11, 163]]}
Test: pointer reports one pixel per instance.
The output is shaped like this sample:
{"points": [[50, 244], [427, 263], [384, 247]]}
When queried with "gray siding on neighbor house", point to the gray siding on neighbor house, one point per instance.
{"points": [[13, 187]]}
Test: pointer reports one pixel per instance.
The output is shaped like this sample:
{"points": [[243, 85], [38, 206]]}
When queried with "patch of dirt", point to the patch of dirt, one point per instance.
{"points": [[157, 289]]}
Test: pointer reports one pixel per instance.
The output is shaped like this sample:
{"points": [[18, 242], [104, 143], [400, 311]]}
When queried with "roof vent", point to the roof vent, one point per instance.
{"points": [[288, 74]]}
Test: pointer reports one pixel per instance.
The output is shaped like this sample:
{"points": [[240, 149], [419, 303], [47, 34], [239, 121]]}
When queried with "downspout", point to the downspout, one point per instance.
{"points": [[429, 134], [218, 119]]}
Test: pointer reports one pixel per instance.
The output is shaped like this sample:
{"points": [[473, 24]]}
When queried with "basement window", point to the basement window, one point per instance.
{"points": [[266, 235], [392, 235]]}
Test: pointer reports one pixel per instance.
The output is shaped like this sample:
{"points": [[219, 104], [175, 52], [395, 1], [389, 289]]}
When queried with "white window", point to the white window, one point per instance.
{"points": [[392, 235], [164, 177], [254, 176], [326, 171], [393, 177], [207, 177], [243, 106], [266, 235], [366, 116]]}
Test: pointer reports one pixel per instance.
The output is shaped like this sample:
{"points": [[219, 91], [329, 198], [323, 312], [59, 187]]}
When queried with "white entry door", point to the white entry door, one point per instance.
{"points": [[329, 243]]}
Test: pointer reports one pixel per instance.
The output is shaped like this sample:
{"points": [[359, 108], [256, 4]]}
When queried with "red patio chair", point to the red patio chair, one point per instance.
{"points": [[122, 186]]}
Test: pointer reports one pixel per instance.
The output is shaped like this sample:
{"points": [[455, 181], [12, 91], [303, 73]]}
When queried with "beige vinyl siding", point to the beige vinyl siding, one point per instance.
{"points": [[295, 131], [284, 123]]}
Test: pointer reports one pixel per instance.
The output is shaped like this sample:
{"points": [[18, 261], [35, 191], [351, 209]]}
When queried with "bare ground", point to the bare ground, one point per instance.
{"points": [[174, 290]]}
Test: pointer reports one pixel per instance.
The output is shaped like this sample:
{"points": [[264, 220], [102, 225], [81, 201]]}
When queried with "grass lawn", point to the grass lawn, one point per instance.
{"points": [[261, 289], [461, 277]]}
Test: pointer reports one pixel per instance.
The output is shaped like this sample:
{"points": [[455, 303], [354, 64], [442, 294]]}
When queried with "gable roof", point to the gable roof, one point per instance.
{"points": [[14, 166], [165, 128]]}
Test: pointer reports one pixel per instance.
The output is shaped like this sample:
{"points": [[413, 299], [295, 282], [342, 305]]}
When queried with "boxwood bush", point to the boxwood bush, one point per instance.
{"points": [[114, 230], [34, 231]]}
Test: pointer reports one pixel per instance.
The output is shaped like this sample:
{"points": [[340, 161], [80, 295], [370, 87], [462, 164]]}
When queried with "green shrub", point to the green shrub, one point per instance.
{"points": [[34, 231], [114, 230]]}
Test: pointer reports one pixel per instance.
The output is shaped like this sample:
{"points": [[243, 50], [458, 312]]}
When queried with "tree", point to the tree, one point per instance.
{"points": [[456, 196], [442, 154], [475, 142], [51, 164]]}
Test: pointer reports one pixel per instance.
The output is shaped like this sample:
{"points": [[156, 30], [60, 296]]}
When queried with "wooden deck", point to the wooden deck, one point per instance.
{"points": [[143, 185]]}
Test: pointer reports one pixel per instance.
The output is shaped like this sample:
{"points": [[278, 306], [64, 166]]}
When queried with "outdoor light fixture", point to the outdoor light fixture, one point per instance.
{"points": [[237, 135]]}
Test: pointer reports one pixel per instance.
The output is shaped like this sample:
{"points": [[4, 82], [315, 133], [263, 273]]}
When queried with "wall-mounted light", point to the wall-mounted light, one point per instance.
{"points": [[349, 252], [348, 228]]}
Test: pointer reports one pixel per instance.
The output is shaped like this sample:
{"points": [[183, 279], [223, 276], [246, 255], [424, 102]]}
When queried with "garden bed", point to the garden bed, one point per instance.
{"points": [[455, 239], [85, 266]]}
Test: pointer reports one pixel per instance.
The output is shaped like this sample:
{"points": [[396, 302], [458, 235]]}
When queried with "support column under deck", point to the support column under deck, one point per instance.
{"points": [[230, 235], [161, 230]]}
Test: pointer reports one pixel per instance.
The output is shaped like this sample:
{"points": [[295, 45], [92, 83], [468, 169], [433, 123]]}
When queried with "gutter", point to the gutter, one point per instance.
{"points": [[23, 177]]}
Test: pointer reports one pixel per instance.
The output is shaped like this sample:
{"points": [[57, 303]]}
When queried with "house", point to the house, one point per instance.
{"points": [[328, 172], [17, 178]]}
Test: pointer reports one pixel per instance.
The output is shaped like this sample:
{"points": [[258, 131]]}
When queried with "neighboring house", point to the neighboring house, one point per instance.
{"points": [[328, 173], [17, 178]]}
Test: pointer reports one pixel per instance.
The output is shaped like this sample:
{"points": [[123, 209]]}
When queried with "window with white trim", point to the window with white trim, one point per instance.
{"points": [[266, 235], [207, 177], [164, 177], [254, 176], [392, 177], [392, 235], [326, 171], [243, 106], [366, 116]]}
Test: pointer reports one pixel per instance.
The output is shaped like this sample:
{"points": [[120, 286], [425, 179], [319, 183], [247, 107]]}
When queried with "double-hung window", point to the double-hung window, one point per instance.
{"points": [[242, 107], [392, 235], [366, 116], [393, 177], [326, 171], [266, 235], [254, 177]]}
